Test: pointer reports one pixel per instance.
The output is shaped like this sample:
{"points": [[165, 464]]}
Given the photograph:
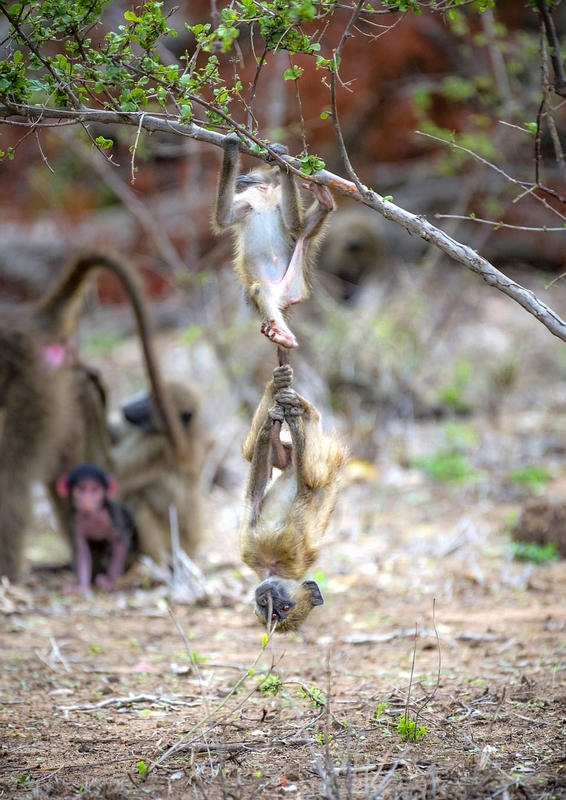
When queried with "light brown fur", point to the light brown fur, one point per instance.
{"points": [[275, 240], [283, 524], [38, 393], [150, 478]]}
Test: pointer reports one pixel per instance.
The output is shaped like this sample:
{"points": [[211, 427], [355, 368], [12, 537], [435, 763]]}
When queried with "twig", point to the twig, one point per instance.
{"points": [[499, 224], [333, 76], [183, 743], [175, 546], [160, 700], [148, 222], [554, 43], [413, 223], [134, 149]]}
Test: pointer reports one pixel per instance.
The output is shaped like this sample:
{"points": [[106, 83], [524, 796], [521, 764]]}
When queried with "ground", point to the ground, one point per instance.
{"points": [[430, 631]]}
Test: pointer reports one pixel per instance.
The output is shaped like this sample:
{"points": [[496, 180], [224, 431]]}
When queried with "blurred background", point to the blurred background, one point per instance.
{"points": [[432, 377]]}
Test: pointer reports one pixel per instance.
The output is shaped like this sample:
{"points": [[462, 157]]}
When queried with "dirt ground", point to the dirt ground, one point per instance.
{"points": [[429, 627]]}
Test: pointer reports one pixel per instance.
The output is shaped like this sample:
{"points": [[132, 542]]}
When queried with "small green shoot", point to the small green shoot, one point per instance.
{"points": [[104, 143], [380, 711], [316, 696], [534, 553], [142, 768], [271, 685], [101, 344], [447, 467], [310, 164], [531, 477], [408, 730]]}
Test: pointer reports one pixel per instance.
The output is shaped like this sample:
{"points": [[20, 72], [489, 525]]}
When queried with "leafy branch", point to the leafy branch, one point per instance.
{"points": [[57, 71]]}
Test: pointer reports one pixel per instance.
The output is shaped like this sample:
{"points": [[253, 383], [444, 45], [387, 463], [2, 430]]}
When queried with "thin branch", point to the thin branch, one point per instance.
{"points": [[497, 225], [526, 185], [333, 76], [414, 224], [253, 89], [148, 222], [554, 44], [548, 115], [45, 61]]}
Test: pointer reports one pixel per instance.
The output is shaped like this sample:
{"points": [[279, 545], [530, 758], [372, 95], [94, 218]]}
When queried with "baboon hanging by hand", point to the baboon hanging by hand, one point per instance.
{"points": [[283, 524]]}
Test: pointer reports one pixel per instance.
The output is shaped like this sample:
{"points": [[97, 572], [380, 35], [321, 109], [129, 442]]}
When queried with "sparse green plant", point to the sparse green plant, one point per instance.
{"points": [[452, 395], [408, 729], [272, 685], [531, 476], [316, 696], [142, 768], [534, 552], [101, 344], [379, 712], [447, 467], [451, 464]]}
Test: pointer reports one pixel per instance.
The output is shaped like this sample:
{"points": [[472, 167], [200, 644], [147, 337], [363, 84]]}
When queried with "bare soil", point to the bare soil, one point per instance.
{"points": [[429, 625]]}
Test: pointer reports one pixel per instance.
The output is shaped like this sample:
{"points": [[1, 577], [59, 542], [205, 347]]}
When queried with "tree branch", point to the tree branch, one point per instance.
{"points": [[554, 43], [416, 225]]}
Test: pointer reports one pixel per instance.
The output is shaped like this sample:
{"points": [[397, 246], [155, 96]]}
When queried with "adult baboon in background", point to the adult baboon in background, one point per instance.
{"points": [[150, 478], [352, 250], [86, 441], [38, 399]]}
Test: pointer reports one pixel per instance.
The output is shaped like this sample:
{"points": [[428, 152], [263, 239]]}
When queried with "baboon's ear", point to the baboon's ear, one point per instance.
{"points": [[315, 594]]}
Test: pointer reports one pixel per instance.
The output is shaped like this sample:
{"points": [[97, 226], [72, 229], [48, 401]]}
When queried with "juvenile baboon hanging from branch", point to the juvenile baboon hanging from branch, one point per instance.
{"points": [[283, 524], [275, 240]]}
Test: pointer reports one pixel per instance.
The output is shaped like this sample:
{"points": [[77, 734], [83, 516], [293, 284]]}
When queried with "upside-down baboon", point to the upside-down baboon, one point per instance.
{"points": [[38, 399], [283, 524], [150, 478], [275, 239]]}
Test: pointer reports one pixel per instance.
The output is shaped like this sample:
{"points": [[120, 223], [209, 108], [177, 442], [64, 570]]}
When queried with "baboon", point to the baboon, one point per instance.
{"points": [[103, 531], [283, 524], [87, 440], [275, 240], [150, 477], [38, 398], [352, 250]]}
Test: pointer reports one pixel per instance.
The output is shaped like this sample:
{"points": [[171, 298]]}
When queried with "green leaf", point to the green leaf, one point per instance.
{"points": [[142, 768]]}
